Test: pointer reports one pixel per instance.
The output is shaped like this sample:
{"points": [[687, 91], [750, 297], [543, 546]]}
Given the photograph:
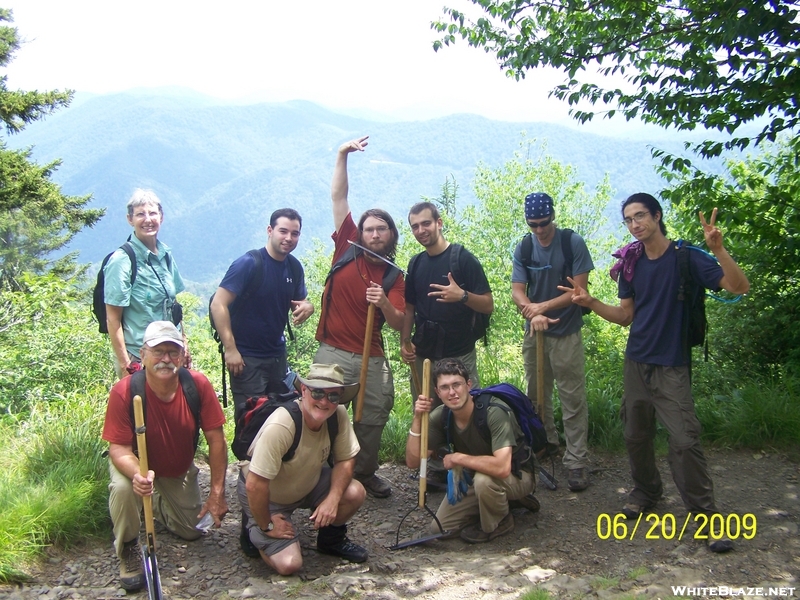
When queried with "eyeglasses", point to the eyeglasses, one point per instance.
{"points": [[638, 218], [159, 354], [319, 394], [381, 230], [540, 224], [456, 387]]}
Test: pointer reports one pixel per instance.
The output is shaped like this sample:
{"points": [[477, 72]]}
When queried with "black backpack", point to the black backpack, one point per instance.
{"points": [[98, 294], [253, 284], [526, 254], [256, 413], [189, 392], [692, 296], [479, 325], [515, 402], [389, 277]]}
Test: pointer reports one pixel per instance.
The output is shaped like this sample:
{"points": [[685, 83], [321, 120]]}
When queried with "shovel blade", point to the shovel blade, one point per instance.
{"points": [[151, 576], [550, 482], [419, 540]]}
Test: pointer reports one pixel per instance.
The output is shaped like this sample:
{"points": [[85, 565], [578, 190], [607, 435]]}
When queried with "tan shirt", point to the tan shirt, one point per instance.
{"points": [[292, 480]]}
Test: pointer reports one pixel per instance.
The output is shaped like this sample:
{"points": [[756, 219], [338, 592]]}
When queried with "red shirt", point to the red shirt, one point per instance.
{"points": [[170, 425], [345, 316]]}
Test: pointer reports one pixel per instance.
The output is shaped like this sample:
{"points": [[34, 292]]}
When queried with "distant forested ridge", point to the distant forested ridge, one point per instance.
{"points": [[220, 170]]}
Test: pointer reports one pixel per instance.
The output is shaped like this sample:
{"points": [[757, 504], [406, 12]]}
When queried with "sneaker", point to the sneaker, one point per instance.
{"points": [[345, 549], [131, 574], [578, 479], [529, 502], [475, 535], [377, 487], [248, 547]]}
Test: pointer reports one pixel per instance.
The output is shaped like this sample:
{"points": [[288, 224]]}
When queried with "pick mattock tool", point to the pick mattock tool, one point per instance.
{"points": [[150, 564], [358, 409], [548, 479], [423, 467]]}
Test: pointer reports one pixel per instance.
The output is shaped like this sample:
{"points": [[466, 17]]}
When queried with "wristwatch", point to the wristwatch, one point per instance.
{"points": [[465, 297], [269, 528]]}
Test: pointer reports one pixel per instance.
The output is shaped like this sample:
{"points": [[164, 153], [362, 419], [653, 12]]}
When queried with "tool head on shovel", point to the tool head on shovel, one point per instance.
{"points": [[423, 466]]}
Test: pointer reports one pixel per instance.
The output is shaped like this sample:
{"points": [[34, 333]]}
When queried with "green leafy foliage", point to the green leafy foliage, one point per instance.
{"points": [[35, 218], [760, 217], [717, 64]]}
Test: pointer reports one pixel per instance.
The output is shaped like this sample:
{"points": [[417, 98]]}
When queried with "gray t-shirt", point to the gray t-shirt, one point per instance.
{"points": [[546, 270]]}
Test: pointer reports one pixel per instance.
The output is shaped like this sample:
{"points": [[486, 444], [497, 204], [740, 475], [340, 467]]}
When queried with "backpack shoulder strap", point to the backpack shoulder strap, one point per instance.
{"points": [[481, 417], [132, 256], [297, 418], [455, 263], [192, 399], [526, 252], [137, 389], [256, 275], [333, 431], [389, 277]]}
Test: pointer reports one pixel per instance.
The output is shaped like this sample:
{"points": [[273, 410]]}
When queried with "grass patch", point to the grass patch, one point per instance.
{"points": [[53, 485], [637, 572], [603, 583], [535, 594]]}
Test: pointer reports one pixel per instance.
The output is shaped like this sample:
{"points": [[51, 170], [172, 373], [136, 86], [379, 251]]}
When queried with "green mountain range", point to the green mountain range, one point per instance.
{"points": [[221, 169]]}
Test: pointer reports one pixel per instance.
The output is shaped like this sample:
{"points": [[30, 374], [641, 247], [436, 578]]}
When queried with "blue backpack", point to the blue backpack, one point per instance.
{"points": [[514, 401]]}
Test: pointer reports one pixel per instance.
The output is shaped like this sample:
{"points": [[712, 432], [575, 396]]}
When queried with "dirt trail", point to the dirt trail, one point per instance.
{"points": [[559, 548]]}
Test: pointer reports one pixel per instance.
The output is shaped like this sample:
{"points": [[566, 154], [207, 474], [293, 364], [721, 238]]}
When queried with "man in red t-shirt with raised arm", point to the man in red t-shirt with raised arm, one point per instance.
{"points": [[171, 444], [352, 287]]}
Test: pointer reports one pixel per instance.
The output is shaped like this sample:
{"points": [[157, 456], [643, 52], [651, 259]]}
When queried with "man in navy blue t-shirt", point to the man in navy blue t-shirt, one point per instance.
{"points": [[251, 324], [656, 374]]}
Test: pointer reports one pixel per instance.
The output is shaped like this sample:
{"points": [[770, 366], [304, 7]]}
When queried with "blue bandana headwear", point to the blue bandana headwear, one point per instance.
{"points": [[538, 206]]}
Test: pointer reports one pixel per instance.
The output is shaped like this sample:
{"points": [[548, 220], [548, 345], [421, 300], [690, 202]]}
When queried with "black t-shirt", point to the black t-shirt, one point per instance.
{"points": [[455, 319]]}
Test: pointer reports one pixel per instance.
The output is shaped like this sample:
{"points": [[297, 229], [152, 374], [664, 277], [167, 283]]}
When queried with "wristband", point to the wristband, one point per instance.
{"points": [[411, 433]]}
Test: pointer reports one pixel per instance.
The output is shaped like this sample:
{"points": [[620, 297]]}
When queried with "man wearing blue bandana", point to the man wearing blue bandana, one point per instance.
{"points": [[542, 261]]}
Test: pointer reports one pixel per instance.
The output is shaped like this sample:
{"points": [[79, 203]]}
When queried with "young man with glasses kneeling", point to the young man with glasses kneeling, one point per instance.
{"points": [[270, 489]]}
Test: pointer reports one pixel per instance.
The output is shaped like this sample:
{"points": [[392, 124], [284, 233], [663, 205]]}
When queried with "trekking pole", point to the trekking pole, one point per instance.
{"points": [[362, 380]]}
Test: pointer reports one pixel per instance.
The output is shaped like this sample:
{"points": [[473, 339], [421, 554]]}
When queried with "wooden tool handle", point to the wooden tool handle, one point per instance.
{"points": [[540, 373], [362, 380], [414, 376], [141, 443], [423, 437]]}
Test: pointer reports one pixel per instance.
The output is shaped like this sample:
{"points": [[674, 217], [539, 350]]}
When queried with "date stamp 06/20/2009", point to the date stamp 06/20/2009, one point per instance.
{"points": [[700, 526]]}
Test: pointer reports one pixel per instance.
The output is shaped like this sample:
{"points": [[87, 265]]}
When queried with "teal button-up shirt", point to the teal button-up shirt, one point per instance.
{"points": [[147, 300]]}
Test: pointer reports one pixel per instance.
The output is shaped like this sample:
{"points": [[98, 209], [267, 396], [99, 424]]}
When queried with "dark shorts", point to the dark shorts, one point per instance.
{"points": [[271, 546]]}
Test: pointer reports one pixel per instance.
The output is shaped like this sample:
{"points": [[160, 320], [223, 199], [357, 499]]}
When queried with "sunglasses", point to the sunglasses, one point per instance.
{"points": [[318, 394], [540, 224]]}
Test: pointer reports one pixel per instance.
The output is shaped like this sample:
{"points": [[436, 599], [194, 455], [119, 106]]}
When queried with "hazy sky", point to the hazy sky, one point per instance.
{"points": [[342, 54]]}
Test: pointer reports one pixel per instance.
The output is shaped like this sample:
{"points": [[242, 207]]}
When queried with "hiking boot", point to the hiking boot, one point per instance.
{"points": [[529, 502], [332, 539], [475, 535], [248, 547], [377, 487], [578, 479], [131, 573], [632, 510]]}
